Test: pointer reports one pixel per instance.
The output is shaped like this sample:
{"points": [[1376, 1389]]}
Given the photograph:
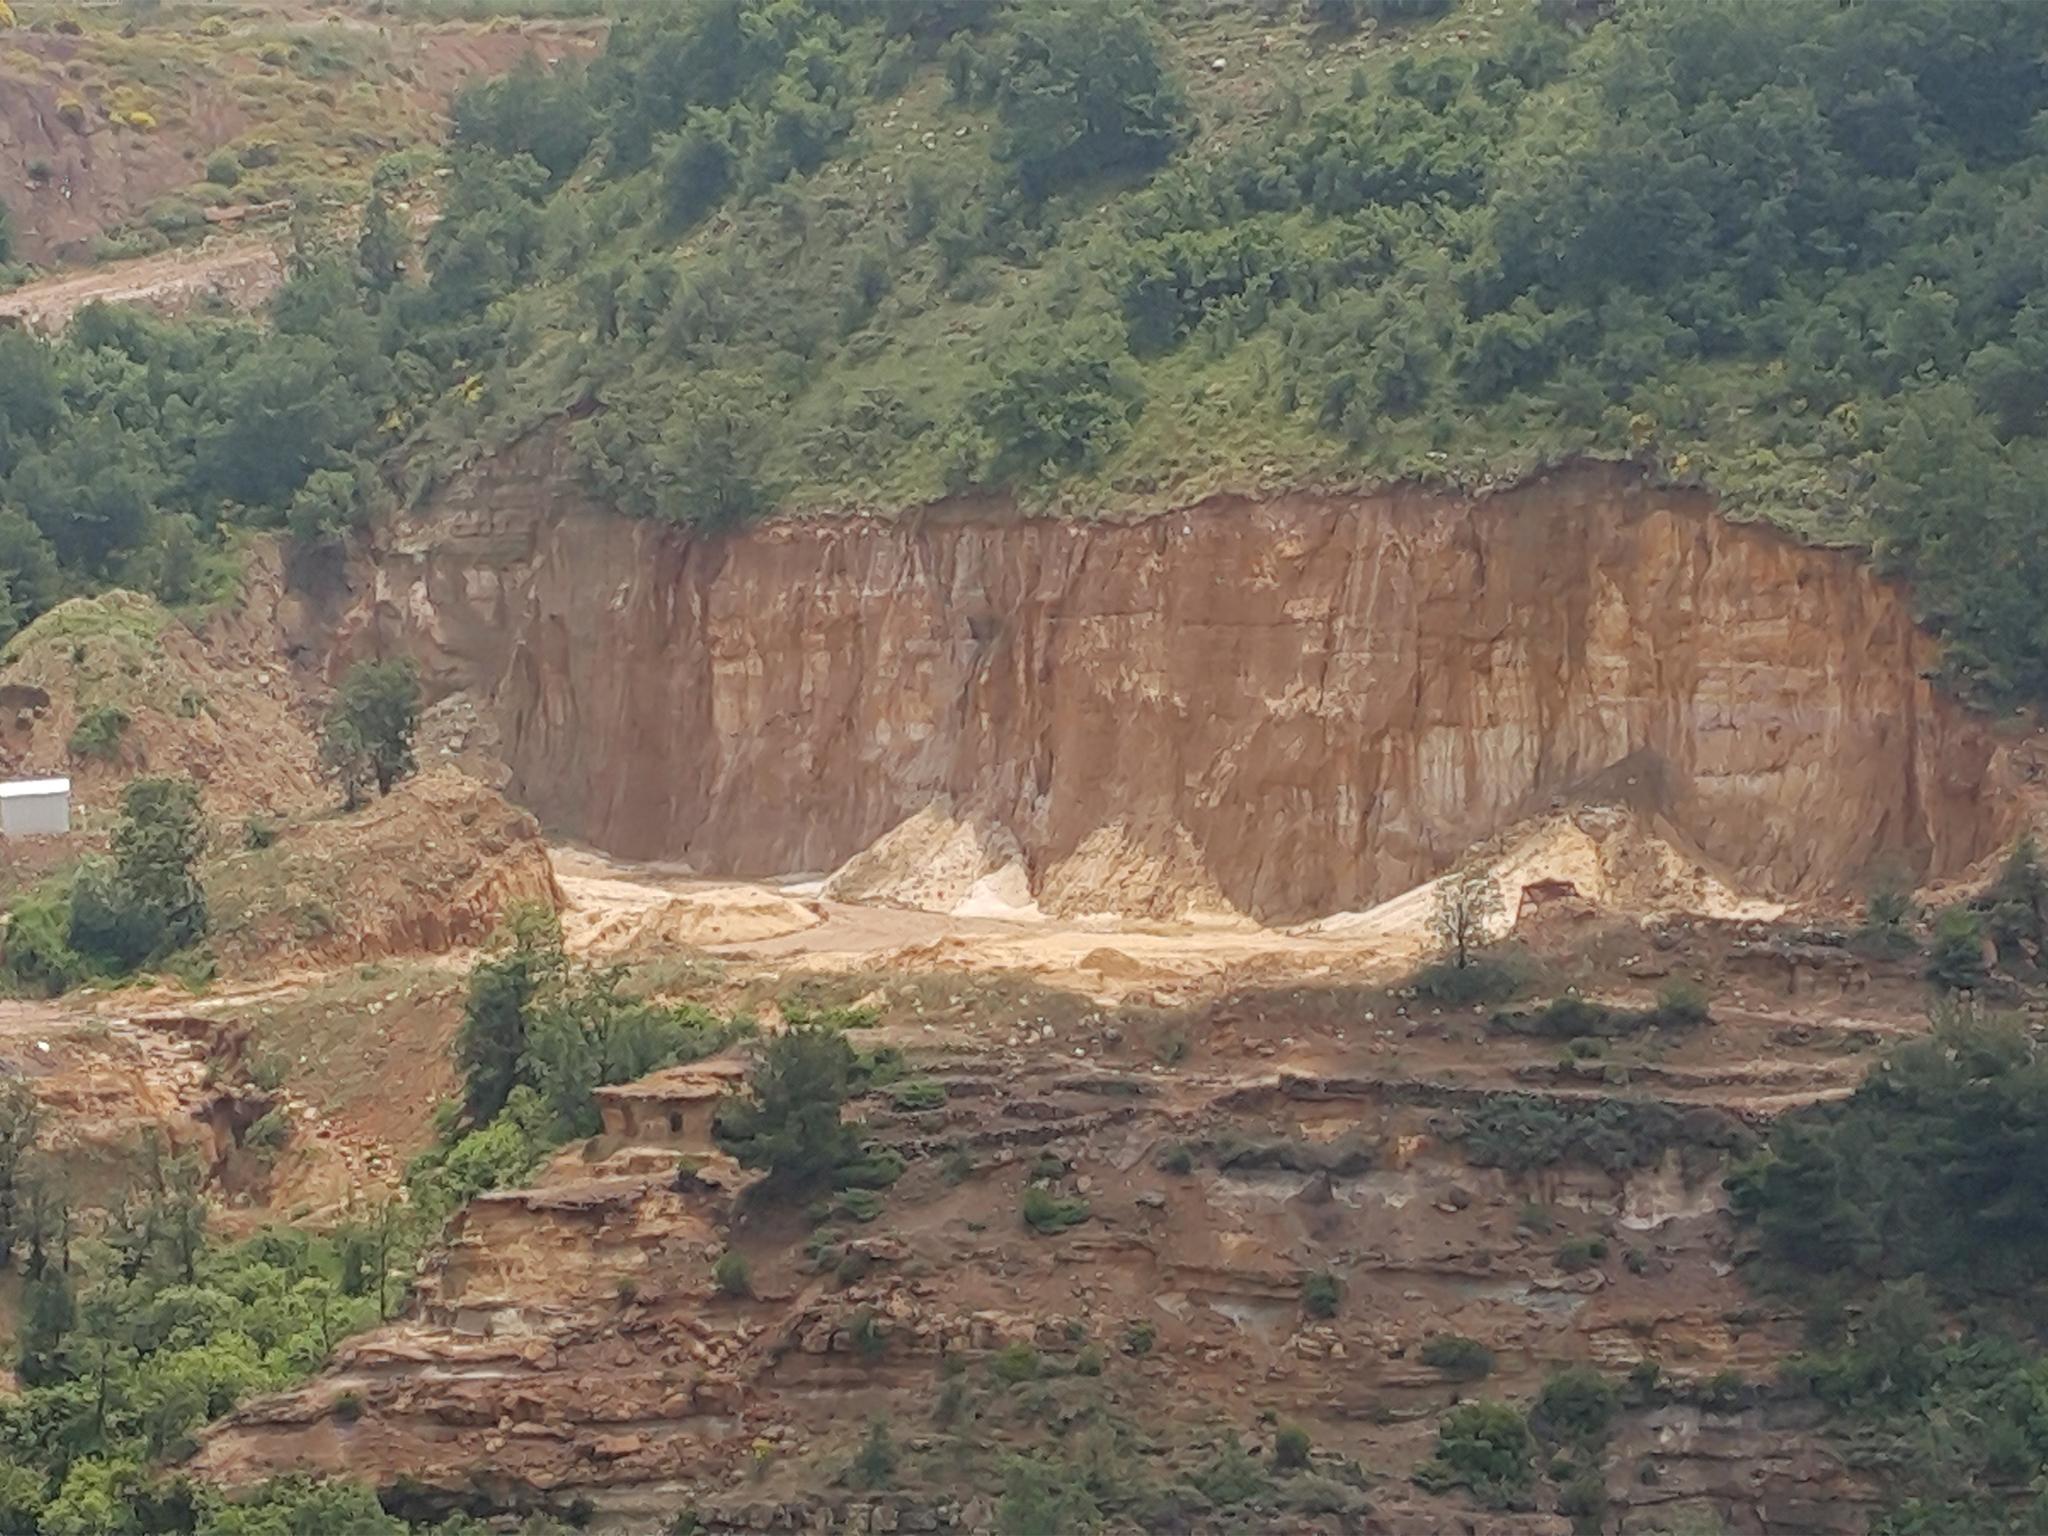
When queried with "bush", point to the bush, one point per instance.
{"points": [[1680, 1005], [1482, 1447], [1581, 1253], [732, 1275], [1085, 89], [147, 901], [39, 956], [1177, 1159], [1483, 978], [1234, 1475], [1015, 1362], [1290, 1447], [270, 1132], [1459, 1358], [223, 169], [258, 833], [1047, 1213], [1955, 961], [874, 1465], [917, 1095], [1576, 1406], [99, 731], [1319, 1294]]}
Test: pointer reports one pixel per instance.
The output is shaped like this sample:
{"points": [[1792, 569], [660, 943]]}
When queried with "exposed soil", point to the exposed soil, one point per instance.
{"points": [[236, 273], [95, 171]]}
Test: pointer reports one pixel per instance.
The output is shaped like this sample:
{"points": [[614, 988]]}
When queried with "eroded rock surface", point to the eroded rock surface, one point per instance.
{"points": [[1285, 708]]}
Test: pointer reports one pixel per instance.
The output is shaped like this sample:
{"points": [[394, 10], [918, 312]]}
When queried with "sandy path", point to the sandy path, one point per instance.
{"points": [[243, 271]]}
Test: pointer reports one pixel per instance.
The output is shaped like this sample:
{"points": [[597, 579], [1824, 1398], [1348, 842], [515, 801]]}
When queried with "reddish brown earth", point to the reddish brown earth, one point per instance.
{"points": [[1280, 709], [570, 1343]]}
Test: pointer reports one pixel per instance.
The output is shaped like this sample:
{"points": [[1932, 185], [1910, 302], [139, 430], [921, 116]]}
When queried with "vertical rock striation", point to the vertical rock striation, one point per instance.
{"points": [[1283, 707]]}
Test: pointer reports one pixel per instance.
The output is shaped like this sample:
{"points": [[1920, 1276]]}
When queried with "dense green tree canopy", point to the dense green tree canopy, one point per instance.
{"points": [[1789, 252]]}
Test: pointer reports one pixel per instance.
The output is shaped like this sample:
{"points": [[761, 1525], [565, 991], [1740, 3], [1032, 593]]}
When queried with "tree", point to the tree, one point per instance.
{"points": [[1085, 89], [1955, 960], [148, 901], [789, 1122], [381, 246], [1467, 905], [503, 988], [2018, 900], [20, 1119], [370, 728]]}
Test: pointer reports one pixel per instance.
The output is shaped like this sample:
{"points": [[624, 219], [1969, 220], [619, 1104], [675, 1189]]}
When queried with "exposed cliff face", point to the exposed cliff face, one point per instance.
{"points": [[1285, 708]]}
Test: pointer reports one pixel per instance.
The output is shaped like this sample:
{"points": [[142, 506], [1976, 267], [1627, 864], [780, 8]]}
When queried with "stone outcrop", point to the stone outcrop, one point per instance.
{"points": [[433, 866], [1280, 708]]}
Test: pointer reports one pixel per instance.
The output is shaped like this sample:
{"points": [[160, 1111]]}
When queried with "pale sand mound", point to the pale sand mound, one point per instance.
{"points": [[1600, 856], [939, 862], [610, 919], [431, 867]]}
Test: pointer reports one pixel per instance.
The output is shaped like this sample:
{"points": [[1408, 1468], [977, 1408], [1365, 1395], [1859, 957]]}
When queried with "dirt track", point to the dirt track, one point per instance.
{"points": [[241, 272]]}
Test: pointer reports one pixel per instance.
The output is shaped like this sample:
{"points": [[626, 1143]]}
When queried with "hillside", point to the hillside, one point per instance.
{"points": [[1090, 256], [1026, 768], [128, 128]]}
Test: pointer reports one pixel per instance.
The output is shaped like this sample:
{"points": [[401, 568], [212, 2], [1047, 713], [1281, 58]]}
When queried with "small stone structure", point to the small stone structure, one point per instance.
{"points": [[672, 1107]]}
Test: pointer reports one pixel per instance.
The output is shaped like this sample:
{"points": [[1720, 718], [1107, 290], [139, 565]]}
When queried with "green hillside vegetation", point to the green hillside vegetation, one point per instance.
{"points": [[817, 254]]}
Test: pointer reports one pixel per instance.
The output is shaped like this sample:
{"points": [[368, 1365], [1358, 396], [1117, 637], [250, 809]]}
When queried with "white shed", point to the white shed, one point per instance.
{"points": [[35, 807]]}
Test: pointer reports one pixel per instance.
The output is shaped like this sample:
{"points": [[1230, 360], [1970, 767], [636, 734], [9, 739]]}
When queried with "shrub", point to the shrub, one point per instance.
{"points": [[1576, 1406], [1482, 1447], [98, 732], [71, 113], [1177, 1159], [917, 1095], [869, 1339], [1234, 1475], [1015, 1362], [222, 168], [258, 833], [39, 956], [1680, 1005], [1319, 1294], [1457, 1357], [1139, 1338], [861, 1205], [1887, 914], [270, 1132], [1583, 1500], [1955, 961], [1483, 978], [874, 1464], [1290, 1447], [1579, 1253], [732, 1275], [1047, 1213]]}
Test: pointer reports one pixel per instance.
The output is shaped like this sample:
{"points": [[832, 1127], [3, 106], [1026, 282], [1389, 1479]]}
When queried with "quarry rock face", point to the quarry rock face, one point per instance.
{"points": [[1279, 708]]}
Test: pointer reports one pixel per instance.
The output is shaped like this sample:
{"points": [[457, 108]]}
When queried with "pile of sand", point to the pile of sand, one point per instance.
{"points": [[939, 862], [610, 919], [1597, 856]]}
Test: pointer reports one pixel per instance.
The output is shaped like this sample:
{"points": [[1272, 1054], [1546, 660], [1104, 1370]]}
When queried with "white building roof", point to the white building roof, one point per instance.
{"points": [[21, 787]]}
